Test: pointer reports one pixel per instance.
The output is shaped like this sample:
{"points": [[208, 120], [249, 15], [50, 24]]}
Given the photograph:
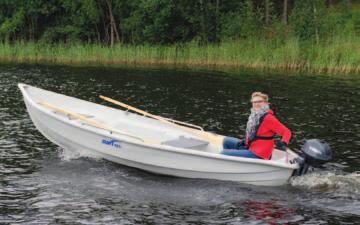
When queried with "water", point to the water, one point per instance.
{"points": [[41, 183]]}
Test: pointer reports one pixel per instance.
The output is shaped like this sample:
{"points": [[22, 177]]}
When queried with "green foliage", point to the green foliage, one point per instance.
{"points": [[334, 56], [164, 22], [231, 26], [249, 20], [307, 19], [356, 21], [167, 22], [201, 32], [11, 25], [66, 33], [244, 23]]}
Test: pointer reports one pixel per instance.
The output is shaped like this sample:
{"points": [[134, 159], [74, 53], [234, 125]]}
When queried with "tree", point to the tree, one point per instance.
{"points": [[285, 12], [267, 12], [114, 34], [307, 19]]}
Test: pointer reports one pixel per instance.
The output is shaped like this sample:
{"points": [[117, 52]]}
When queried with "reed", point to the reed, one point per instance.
{"points": [[336, 55]]}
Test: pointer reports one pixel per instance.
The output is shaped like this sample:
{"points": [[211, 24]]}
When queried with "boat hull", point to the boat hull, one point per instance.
{"points": [[75, 136]]}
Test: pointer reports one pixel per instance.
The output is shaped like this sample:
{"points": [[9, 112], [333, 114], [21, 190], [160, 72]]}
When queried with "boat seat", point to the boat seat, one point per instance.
{"points": [[184, 142]]}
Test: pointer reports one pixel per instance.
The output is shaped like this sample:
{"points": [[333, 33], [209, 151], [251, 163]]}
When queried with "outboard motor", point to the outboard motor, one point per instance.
{"points": [[313, 153]]}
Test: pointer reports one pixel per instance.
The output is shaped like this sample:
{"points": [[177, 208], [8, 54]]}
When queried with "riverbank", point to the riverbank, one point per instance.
{"points": [[335, 56]]}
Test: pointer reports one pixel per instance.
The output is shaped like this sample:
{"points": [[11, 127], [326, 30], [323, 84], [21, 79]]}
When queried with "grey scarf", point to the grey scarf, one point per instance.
{"points": [[254, 120]]}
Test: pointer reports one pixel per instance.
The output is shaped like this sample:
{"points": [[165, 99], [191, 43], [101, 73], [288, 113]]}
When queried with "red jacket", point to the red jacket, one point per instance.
{"points": [[269, 127]]}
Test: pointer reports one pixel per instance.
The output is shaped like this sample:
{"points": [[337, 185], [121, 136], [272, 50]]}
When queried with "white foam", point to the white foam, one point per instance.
{"points": [[329, 181], [70, 154]]}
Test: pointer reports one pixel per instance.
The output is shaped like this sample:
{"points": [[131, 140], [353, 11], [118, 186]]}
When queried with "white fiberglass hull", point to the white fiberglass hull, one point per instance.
{"points": [[158, 158]]}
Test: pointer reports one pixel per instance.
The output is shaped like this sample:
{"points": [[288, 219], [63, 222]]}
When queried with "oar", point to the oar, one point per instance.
{"points": [[134, 109], [91, 122], [212, 138], [148, 114]]}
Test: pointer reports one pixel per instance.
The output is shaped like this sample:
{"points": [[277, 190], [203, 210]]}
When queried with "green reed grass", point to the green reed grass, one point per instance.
{"points": [[336, 55]]}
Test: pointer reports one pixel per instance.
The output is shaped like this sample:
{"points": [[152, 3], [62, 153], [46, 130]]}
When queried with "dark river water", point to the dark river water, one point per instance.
{"points": [[41, 183]]}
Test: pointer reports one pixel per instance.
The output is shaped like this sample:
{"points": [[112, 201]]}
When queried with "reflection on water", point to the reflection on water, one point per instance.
{"points": [[268, 211], [41, 183]]}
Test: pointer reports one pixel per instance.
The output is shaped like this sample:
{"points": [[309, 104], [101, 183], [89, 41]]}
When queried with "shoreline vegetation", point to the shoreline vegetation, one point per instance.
{"points": [[336, 56], [307, 36]]}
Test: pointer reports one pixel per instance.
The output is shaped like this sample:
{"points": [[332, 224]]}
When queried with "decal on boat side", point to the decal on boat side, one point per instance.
{"points": [[112, 142]]}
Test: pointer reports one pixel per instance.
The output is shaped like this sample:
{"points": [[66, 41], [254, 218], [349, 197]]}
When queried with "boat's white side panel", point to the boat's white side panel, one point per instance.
{"points": [[160, 159]]}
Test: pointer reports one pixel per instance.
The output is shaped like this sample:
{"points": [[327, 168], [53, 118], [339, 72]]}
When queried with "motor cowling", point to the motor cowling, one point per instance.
{"points": [[313, 153]]}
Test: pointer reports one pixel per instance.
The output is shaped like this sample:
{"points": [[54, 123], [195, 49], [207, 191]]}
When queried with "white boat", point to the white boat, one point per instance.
{"points": [[146, 143]]}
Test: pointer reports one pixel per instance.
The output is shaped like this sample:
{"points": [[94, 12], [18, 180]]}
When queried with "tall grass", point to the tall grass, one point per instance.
{"points": [[336, 55]]}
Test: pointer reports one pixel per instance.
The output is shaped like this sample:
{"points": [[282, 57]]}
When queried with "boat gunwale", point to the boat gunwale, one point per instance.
{"points": [[100, 131]]}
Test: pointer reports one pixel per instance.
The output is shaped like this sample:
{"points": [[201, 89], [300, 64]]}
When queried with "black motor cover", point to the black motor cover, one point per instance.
{"points": [[313, 153], [316, 152]]}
